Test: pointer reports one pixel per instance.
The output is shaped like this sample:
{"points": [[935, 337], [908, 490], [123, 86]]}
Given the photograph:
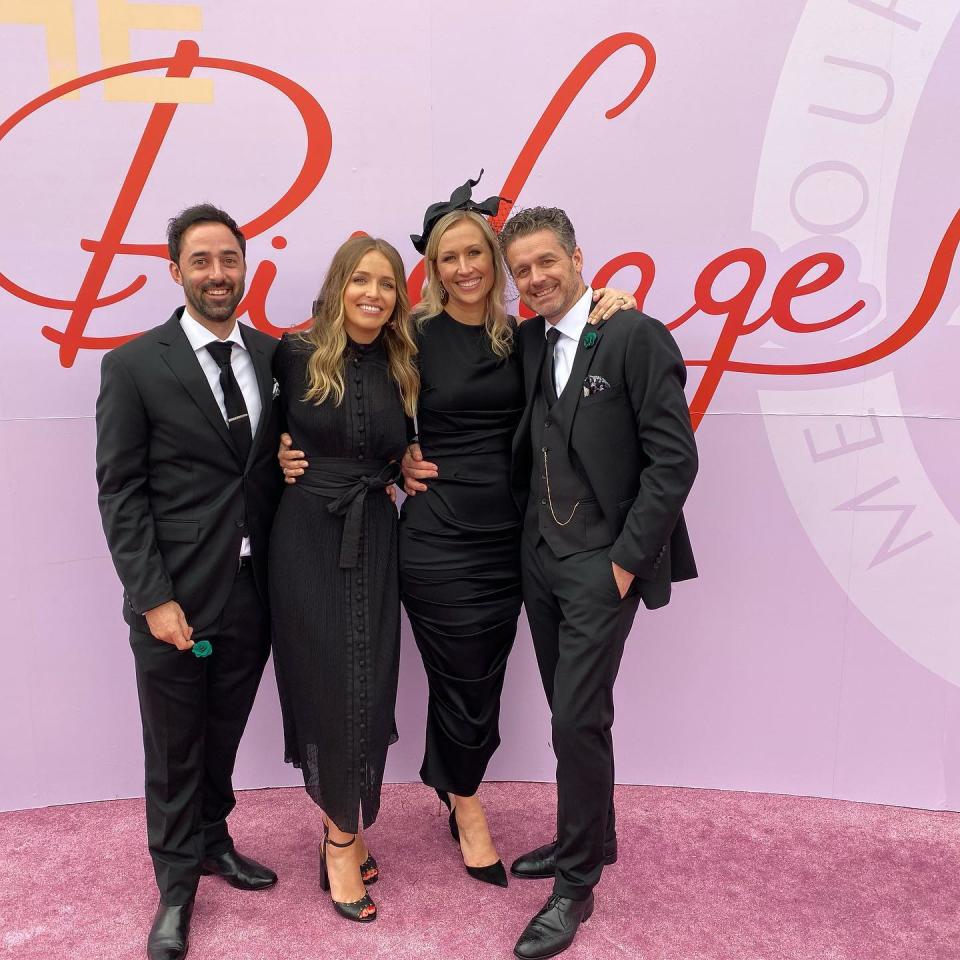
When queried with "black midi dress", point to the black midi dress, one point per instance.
{"points": [[459, 547], [334, 594]]}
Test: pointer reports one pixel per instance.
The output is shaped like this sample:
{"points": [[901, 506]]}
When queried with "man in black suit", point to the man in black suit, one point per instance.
{"points": [[187, 434], [603, 460]]}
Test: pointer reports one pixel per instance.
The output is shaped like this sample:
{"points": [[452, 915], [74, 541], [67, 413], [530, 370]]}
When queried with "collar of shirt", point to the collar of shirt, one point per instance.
{"points": [[199, 336], [571, 324]]}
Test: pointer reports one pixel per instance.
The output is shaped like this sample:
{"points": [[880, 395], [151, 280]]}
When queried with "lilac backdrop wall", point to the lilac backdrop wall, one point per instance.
{"points": [[818, 652]]}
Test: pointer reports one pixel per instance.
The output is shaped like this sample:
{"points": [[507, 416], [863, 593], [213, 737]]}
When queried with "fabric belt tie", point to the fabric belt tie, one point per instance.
{"points": [[348, 482]]}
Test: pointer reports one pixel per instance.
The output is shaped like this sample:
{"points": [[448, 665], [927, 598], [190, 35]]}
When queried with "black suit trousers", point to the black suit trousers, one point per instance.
{"points": [[194, 711], [579, 626]]}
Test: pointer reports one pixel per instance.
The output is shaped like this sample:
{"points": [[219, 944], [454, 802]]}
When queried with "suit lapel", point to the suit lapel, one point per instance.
{"points": [[534, 350], [262, 367], [533, 359], [181, 359], [573, 391]]}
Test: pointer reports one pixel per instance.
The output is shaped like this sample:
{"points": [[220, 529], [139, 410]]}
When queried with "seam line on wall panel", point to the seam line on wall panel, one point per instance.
{"points": [[832, 416], [42, 419], [708, 413]]}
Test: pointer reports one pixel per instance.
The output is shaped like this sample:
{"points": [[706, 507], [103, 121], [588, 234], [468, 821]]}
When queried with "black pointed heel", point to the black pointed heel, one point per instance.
{"points": [[493, 873], [352, 911], [454, 829]]}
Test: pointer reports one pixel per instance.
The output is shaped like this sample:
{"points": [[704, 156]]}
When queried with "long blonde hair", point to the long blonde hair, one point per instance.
{"points": [[499, 330], [327, 336]]}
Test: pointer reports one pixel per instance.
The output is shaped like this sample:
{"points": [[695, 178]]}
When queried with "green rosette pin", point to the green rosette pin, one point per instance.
{"points": [[202, 648], [589, 339]]}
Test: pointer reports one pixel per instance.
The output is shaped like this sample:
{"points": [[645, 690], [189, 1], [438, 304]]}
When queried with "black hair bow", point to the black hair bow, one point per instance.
{"points": [[460, 199]]}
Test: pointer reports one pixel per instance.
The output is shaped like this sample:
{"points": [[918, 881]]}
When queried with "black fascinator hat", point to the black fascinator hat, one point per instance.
{"points": [[460, 199]]}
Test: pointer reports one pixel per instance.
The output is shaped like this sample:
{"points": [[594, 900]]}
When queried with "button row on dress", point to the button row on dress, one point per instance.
{"points": [[360, 427]]}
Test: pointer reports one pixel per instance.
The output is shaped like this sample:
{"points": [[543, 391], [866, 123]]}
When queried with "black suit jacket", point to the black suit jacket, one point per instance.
{"points": [[633, 442], [175, 500]]}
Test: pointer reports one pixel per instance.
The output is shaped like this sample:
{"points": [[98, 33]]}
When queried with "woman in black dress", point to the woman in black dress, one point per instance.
{"points": [[347, 386], [460, 535], [459, 540]]}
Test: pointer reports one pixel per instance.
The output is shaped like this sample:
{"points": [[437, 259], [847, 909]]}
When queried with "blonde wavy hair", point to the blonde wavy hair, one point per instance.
{"points": [[328, 338], [495, 320]]}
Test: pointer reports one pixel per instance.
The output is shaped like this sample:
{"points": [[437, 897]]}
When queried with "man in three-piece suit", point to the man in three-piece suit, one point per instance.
{"points": [[187, 433], [603, 460]]}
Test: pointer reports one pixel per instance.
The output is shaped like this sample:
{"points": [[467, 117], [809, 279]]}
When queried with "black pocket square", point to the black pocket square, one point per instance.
{"points": [[594, 384]]}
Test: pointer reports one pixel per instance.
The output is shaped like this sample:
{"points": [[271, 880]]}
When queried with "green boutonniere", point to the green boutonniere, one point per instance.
{"points": [[202, 648], [589, 338]]}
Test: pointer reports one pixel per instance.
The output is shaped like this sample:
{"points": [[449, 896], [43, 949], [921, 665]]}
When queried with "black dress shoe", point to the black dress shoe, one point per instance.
{"points": [[552, 930], [170, 932], [541, 864], [239, 871]]}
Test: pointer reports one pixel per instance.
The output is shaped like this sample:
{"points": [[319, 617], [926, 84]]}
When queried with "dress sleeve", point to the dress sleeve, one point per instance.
{"points": [[413, 429], [288, 363]]}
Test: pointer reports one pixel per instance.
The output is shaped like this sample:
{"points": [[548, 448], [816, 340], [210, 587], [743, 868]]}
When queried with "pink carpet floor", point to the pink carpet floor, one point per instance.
{"points": [[702, 875]]}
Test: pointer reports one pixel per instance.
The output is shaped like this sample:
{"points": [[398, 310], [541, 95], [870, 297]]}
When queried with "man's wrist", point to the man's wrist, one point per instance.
{"points": [[157, 605]]}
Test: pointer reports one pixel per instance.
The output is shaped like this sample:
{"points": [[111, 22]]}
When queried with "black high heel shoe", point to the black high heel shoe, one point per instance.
{"points": [[369, 870], [354, 910], [494, 873]]}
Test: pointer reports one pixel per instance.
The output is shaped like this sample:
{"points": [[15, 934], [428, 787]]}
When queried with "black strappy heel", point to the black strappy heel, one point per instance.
{"points": [[352, 911], [370, 870]]}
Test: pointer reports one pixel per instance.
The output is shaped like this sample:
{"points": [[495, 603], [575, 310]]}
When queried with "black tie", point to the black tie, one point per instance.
{"points": [[546, 371], [238, 420]]}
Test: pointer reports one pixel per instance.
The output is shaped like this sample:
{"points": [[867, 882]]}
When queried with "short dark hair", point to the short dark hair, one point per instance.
{"points": [[199, 213], [535, 219]]}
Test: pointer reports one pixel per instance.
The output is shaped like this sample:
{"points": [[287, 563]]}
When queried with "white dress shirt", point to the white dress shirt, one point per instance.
{"points": [[570, 326], [242, 364]]}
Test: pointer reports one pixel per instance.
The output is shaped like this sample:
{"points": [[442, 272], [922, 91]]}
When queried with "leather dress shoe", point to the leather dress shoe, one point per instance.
{"points": [[239, 871], [552, 930], [541, 864], [170, 932]]}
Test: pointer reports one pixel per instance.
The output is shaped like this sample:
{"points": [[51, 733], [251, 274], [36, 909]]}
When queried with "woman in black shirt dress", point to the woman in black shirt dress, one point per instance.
{"points": [[347, 386]]}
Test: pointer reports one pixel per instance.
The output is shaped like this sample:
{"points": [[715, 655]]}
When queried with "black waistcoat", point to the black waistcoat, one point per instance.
{"points": [[566, 530]]}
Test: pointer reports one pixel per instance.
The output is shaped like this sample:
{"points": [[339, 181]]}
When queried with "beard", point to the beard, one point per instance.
{"points": [[216, 312]]}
